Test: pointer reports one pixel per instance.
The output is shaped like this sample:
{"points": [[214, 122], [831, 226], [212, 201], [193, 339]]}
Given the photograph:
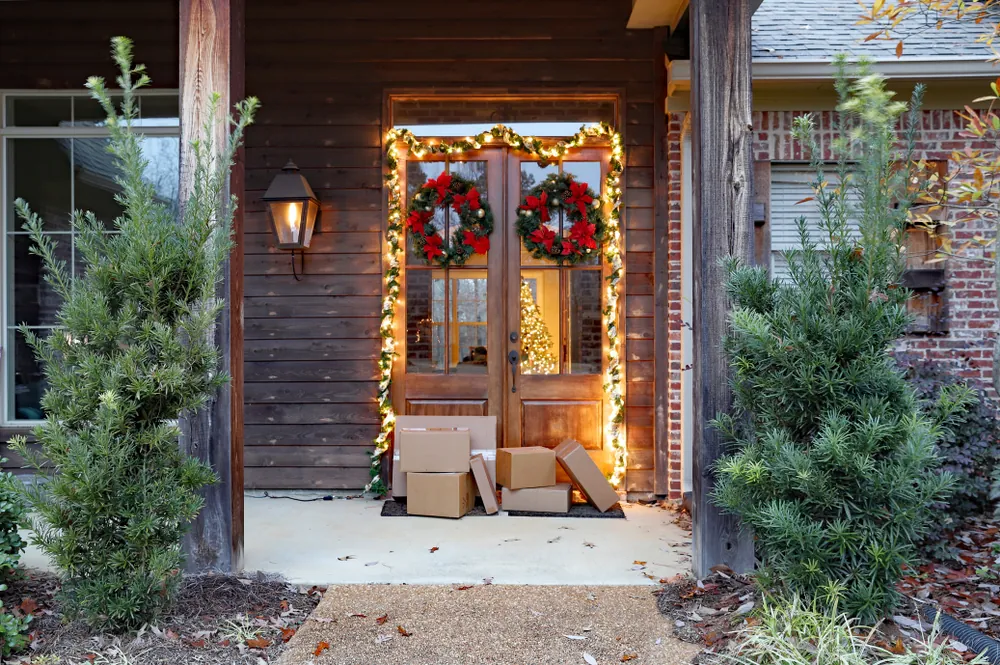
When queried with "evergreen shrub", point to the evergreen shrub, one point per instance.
{"points": [[831, 462], [133, 353]]}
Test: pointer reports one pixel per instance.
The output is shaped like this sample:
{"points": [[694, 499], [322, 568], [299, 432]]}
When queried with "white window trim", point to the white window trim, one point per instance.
{"points": [[6, 419]]}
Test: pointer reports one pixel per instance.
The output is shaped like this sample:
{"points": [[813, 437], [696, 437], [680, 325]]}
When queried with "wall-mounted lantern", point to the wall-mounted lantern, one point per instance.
{"points": [[292, 207]]}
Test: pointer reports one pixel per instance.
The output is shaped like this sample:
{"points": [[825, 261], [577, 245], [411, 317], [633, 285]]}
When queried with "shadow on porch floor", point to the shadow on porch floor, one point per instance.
{"points": [[304, 542]]}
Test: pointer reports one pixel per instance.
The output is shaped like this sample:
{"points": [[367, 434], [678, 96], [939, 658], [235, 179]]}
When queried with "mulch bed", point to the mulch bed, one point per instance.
{"points": [[965, 585], [218, 619]]}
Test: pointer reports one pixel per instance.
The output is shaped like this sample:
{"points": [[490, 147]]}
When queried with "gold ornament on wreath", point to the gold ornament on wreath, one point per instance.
{"points": [[585, 221], [475, 220]]}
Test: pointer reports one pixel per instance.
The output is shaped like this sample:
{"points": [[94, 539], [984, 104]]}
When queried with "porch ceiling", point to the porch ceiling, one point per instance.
{"points": [[656, 13]]}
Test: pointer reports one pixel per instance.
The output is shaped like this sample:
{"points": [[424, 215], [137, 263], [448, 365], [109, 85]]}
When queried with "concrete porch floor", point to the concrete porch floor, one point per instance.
{"points": [[306, 542]]}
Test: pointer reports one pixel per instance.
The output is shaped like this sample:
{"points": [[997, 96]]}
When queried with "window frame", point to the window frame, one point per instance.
{"points": [[7, 420]]}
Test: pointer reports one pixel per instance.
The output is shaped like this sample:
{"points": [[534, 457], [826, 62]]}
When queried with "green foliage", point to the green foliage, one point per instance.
{"points": [[995, 492], [831, 462], [12, 516], [969, 446], [795, 633], [134, 351]]}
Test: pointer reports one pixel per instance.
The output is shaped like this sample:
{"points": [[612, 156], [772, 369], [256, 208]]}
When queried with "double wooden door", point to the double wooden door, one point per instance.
{"points": [[506, 334]]}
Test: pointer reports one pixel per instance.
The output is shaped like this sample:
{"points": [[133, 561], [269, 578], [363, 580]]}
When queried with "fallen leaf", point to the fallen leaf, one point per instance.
{"points": [[745, 607], [403, 631], [487, 580], [28, 606], [574, 637], [286, 634], [196, 644], [639, 563], [434, 549], [321, 647], [171, 635], [359, 615], [632, 656], [590, 659], [382, 619], [258, 643], [590, 545], [897, 647], [224, 643], [381, 639], [91, 657], [345, 558], [285, 606], [464, 587]]}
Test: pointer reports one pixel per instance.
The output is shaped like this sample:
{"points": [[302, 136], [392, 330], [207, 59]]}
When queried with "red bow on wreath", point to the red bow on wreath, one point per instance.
{"points": [[539, 203], [432, 246], [415, 222], [578, 196], [582, 234], [442, 184], [479, 245], [543, 235], [472, 198]]}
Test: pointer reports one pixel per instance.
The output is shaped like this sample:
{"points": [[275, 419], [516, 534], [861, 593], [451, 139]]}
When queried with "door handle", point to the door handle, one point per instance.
{"points": [[513, 358]]}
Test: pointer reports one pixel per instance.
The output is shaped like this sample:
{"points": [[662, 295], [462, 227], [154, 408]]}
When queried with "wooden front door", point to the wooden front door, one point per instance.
{"points": [[557, 315], [461, 325]]}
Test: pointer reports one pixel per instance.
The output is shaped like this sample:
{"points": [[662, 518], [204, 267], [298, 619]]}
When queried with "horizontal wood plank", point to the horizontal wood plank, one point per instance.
{"points": [[308, 456], [310, 414], [325, 478], [310, 435], [317, 392]]}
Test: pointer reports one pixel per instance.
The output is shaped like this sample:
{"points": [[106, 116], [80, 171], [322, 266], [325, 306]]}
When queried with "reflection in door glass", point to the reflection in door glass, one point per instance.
{"points": [[539, 307], [468, 295], [418, 173], [533, 174], [583, 325], [588, 173], [476, 172], [424, 322]]}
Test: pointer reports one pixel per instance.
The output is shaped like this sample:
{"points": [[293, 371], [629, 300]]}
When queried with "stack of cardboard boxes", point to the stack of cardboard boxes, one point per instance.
{"points": [[528, 477], [442, 474]]}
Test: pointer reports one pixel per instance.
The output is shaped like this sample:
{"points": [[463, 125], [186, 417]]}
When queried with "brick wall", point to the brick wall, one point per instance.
{"points": [[971, 296]]}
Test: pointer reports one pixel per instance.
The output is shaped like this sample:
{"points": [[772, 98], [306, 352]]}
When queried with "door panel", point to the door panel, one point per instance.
{"points": [[453, 317], [443, 407], [556, 313]]}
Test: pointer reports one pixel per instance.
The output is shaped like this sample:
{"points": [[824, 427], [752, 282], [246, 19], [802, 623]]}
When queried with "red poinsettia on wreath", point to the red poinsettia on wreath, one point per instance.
{"points": [[475, 220], [583, 217]]}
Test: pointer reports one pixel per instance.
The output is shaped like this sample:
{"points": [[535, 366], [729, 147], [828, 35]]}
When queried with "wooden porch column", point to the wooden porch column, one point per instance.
{"points": [[212, 60], [722, 128]]}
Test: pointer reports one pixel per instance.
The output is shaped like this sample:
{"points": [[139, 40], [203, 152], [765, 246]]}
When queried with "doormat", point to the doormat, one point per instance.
{"points": [[393, 508], [576, 510]]}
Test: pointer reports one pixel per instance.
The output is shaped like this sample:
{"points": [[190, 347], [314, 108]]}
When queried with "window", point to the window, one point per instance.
{"points": [[53, 154], [792, 185]]}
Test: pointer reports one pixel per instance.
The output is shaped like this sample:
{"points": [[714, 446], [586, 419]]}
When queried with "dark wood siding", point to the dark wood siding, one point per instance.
{"points": [[310, 378], [321, 70]]}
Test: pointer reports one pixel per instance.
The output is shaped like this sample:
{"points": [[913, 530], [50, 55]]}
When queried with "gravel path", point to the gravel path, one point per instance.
{"points": [[487, 624]]}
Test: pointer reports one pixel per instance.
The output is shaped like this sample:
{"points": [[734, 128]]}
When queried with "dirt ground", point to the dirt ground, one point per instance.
{"points": [[217, 620], [487, 624]]}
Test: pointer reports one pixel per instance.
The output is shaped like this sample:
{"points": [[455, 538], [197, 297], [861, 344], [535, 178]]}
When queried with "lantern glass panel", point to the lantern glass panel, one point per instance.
{"points": [[309, 221], [287, 219]]}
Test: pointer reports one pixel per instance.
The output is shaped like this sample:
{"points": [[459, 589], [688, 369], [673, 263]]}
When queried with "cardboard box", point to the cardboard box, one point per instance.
{"points": [[586, 474], [484, 483], [439, 494], [482, 435], [518, 468], [554, 499], [434, 449]]}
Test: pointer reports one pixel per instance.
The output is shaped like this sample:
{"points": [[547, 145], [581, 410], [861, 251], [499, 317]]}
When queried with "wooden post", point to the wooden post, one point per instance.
{"points": [[211, 60], [661, 267], [721, 102]]}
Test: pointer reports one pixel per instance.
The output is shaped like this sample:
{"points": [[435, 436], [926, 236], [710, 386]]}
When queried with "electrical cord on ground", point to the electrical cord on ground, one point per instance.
{"points": [[328, 497]]}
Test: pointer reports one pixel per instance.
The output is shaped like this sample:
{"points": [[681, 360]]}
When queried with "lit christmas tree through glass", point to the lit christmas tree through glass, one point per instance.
{"points": [[536, 341]]}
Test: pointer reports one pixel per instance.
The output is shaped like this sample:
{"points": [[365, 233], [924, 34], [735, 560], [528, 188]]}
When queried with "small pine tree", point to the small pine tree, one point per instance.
{"points": [[536, 340], [133, 353], [832, 463]]}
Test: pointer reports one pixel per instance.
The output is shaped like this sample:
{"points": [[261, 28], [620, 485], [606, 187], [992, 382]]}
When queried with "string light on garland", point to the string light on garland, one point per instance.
{"points": [[614, 433]]}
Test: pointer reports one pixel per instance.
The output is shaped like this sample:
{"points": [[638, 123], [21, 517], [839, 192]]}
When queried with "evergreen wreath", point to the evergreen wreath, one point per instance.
{"points": [[475, 220], [583, 215]]}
